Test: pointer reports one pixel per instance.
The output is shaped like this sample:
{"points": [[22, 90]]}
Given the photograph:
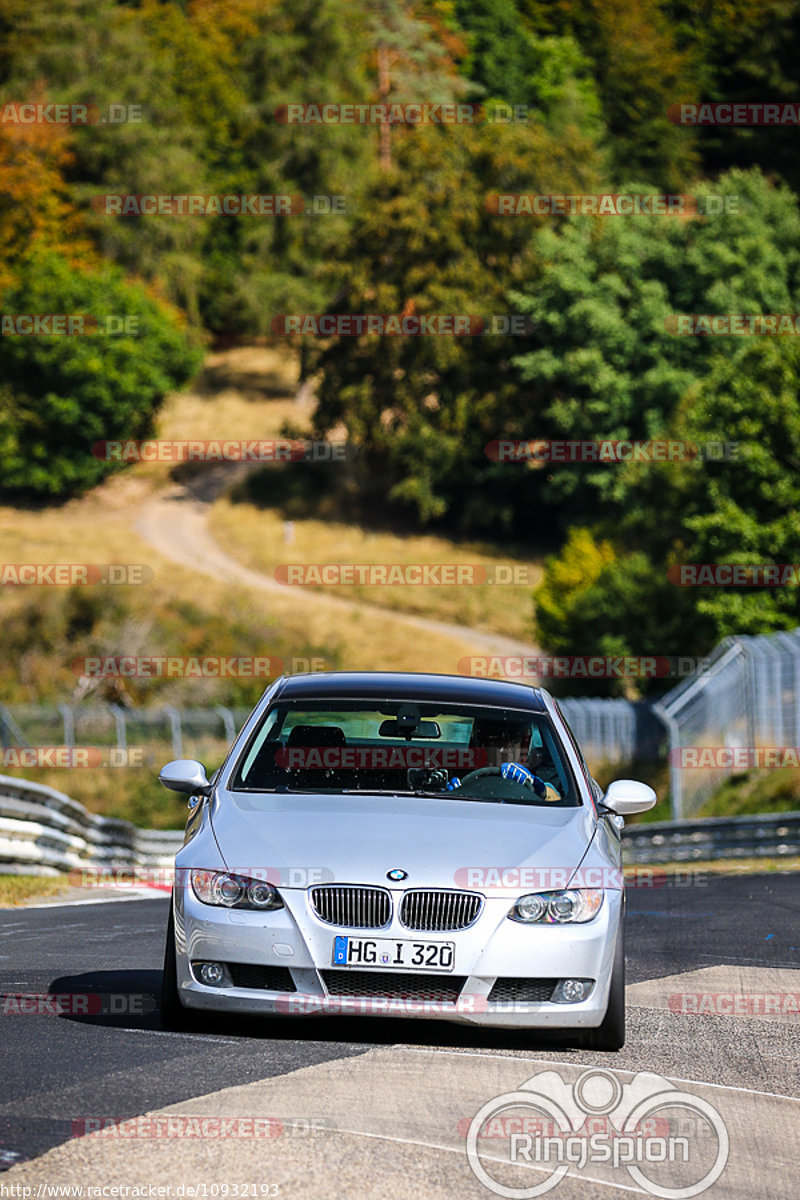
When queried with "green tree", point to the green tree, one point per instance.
{"points": [[603, 362], [622, 595], [62, 394], [422, 408], [640, 69]]}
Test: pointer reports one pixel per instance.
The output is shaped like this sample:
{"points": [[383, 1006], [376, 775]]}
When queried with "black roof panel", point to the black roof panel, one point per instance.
{"points": [[408, 685]]}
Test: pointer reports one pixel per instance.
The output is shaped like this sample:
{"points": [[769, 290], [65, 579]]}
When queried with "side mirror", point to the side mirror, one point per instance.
{"points": [[185, 775], [626, 796]]}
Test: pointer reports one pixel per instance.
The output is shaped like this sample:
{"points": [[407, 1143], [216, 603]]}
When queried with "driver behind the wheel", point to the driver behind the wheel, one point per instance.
{"points": [[506, 747]]}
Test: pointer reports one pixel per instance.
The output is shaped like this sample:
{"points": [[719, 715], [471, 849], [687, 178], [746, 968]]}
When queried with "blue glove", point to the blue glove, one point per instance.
{"points": [[453, 785], [520, 774]]}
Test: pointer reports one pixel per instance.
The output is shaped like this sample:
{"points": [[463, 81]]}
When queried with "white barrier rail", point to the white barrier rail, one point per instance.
{"points": [[45, 832]]}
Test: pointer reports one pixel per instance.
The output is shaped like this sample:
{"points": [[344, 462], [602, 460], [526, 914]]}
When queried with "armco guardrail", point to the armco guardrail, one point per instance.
{"points": [[768, 836], [44, 832]]}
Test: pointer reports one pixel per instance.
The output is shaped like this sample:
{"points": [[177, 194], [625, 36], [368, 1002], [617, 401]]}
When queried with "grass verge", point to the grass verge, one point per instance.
{"points": [[722, 866], [16, 889], [257, 537]]}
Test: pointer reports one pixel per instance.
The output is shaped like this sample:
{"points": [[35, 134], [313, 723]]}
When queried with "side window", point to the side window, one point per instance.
{"points": [[267, 729], [593, 787]]}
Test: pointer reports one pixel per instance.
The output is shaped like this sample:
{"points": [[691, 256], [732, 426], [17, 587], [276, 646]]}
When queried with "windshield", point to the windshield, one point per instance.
{"points": [[451, 751]]}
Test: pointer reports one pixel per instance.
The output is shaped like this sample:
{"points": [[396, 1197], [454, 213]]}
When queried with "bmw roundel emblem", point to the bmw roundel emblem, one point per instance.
{"points": [[397, 875]]}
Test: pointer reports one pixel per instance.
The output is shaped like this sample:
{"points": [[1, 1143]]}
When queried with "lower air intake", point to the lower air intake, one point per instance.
{"points": [[392, 986], [260, 978], [522, 991]]}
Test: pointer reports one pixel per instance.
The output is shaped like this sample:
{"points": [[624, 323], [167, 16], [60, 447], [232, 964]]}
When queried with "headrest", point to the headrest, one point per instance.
{"points": [[317, 735]]}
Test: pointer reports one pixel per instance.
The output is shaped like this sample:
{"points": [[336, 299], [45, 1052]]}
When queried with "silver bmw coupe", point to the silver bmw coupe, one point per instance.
{"points": [[386, 844]]}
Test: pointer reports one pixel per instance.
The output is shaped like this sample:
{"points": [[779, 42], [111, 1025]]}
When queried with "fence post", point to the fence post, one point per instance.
{"points": [[174, 718], [69, 724], [10, 728], [228, 722], [120, 720], [675, 780]]}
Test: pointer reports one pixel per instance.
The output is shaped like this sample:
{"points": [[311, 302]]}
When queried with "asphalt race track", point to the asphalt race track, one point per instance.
{"points": [[381, 1108]]}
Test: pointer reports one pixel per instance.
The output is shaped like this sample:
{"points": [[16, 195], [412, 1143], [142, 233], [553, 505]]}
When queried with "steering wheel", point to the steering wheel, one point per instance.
{"points": [[529, 780]]}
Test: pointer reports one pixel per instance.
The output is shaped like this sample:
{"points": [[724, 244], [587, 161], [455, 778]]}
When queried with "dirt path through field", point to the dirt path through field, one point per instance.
{"points": [[175, 523]]}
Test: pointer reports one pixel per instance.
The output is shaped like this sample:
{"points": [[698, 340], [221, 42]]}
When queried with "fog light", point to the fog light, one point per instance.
{"points": [[572, 991], [212, 974]]}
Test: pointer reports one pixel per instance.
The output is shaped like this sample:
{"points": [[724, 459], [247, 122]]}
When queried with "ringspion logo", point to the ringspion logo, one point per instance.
{"points": [[670, 1142]]}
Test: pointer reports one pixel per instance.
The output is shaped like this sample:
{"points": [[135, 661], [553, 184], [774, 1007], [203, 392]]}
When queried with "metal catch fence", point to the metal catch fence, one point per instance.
{"points": [[745, 700]]}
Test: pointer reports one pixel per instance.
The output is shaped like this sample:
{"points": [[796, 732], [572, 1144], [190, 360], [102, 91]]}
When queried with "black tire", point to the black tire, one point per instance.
{"points": [[610, 1035], [173, 1014]]}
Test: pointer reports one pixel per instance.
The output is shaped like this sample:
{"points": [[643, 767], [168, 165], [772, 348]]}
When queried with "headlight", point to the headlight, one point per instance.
{"points": [[234, 891], [571, 907]]}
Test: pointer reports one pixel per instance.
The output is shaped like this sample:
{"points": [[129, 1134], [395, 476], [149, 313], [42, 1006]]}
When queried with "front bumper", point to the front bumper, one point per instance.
{"points": [[294, 940]]}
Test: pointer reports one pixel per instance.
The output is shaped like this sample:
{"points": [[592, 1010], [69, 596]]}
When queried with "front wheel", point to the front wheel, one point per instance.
{"points": [[610, 1035], [173, 1014]]}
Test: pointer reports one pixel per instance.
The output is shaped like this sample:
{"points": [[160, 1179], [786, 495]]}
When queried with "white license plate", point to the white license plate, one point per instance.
{"points": [[391, 955]]}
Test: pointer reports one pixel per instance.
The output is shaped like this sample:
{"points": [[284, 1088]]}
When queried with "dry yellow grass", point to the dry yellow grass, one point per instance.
{"points": [[241, 394], [256, 536], [99, 528], [16, 889], [248, 393]]}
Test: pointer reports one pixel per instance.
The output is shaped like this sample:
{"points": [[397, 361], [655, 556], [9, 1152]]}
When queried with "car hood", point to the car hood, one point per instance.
{"points": [[302, 839]]}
